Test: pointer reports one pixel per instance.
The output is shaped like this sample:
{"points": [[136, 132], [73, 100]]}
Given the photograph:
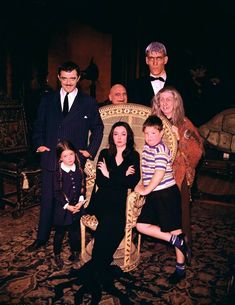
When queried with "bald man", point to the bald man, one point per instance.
{"points": [[117, 95]]}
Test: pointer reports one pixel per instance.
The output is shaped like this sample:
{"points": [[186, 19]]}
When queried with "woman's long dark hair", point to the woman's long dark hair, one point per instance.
{"points": [[130, 144]]}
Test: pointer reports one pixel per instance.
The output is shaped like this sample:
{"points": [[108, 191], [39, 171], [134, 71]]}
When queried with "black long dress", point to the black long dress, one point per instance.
{"points": [[109, 206]]}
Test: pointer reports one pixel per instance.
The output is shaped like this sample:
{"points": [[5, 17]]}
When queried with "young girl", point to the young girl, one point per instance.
{"points": [[69, 191]]}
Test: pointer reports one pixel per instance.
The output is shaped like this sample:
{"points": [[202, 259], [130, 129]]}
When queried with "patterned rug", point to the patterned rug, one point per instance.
{"points": [[31, 278]]}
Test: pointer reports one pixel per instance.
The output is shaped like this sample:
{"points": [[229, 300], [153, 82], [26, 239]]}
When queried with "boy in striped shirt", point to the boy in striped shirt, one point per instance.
{"points": [[161, 215]]}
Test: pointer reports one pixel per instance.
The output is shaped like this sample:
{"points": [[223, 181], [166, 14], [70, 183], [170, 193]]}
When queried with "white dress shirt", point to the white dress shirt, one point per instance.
{"points": [[71, 97], [158, 84]]}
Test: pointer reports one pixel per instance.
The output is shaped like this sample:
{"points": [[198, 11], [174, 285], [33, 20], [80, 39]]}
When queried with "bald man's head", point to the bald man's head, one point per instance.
{"points": [[118, 94]]}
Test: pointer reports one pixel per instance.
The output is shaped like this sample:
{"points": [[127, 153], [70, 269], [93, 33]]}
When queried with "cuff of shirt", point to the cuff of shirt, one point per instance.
{"points": [[81, 198], [65, 206]]}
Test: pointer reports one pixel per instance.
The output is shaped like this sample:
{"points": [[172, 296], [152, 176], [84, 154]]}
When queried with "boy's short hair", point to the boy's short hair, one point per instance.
{"points": [[153, 121]]}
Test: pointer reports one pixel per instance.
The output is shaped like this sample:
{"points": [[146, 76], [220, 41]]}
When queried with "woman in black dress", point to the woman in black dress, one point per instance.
{"points": [[118, 169]]}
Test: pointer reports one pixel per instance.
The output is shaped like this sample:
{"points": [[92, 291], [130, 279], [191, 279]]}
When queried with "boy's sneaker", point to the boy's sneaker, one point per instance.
{"points": [[176, 277], [184, 249]]}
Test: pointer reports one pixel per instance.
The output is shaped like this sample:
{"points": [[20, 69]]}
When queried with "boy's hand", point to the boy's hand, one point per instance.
{"points": [[139, 188]]}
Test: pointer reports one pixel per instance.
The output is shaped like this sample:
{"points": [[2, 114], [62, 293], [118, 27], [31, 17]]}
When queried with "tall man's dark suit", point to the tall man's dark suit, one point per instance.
{"points": [[82, 122], [140, 91]]}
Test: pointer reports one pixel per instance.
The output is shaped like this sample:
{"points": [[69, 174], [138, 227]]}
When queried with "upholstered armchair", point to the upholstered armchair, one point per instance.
{"points": [[128, 253]]}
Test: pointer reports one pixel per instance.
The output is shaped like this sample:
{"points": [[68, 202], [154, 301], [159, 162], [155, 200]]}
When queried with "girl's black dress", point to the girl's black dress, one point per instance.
{"points": [[67, 185]]}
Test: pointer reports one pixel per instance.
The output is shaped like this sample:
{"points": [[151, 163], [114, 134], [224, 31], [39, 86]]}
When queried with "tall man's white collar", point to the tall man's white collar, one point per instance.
{"points": [[163, 75]]}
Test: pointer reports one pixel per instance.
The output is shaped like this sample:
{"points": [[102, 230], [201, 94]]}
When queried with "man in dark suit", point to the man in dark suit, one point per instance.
{"points": [[66, 114], [143, 89]]}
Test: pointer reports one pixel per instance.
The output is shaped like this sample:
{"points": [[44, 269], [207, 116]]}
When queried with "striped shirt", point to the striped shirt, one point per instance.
{"points": [[157, 158]]}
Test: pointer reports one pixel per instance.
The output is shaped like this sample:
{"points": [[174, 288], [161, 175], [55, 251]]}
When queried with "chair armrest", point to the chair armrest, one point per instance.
{"points": [[89, 221], [134, 205], [89, 171]]}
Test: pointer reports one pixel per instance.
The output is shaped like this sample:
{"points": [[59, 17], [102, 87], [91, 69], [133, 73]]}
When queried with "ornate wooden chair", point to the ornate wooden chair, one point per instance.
{"points": [[18, 167], [128, 253]]}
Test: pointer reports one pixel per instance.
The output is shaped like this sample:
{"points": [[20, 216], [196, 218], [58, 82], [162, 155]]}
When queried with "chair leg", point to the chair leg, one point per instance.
{"points": [[19, 210], [2, 205], [83, 240], [127, 251], [131, 251], [138, 244]]}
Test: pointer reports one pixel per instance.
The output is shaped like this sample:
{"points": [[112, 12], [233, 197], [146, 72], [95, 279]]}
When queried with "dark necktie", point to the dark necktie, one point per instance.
{"points": [[156, 78], [66, 105]]}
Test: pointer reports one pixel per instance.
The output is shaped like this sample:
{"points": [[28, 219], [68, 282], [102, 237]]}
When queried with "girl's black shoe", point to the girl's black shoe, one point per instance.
{"points": [[74, 257], [59, 262]]}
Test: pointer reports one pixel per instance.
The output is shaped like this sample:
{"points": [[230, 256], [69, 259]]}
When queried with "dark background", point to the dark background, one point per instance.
{"points": [[196, 33], [202, 29]]}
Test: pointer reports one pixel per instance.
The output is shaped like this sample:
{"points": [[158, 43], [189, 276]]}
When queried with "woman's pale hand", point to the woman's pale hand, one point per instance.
{"points": [[130, 170], [103, 167]]}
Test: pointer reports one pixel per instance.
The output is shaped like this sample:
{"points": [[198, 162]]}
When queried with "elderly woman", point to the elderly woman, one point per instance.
{"points": [[168, 102]]}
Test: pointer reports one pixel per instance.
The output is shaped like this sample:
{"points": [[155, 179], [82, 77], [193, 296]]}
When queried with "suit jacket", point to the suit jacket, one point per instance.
{"points": [[82, 123], [140, 91]]}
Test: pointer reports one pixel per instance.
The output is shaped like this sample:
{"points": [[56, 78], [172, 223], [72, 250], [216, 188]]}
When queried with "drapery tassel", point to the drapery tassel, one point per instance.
{"points": [[25, 182]]}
